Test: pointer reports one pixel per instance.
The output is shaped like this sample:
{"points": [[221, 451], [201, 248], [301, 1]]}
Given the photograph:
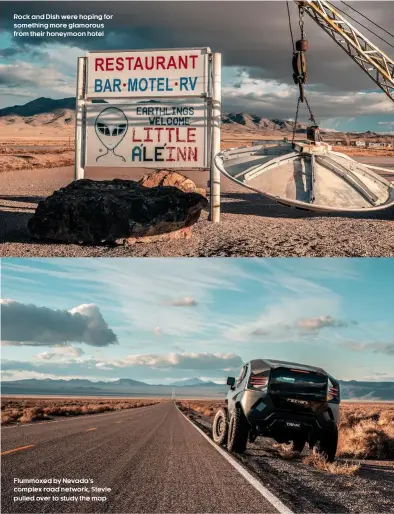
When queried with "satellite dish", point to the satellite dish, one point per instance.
{"points": [[308, 175]]}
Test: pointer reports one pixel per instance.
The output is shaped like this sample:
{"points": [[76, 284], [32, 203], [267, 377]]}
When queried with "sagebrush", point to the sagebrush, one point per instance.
{"points": [[26, 410]]}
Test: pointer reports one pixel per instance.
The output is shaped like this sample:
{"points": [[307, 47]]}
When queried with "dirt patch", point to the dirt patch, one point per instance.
{"points": [[364, 152], [15, 159]]}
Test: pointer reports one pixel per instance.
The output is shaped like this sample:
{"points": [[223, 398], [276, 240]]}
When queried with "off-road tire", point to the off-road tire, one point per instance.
{"points": [[220, 427], [327, 445], [238, 431], [298, 444]]}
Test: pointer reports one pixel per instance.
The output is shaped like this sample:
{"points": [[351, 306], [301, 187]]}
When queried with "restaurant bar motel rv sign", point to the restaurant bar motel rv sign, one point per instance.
{"points": [[150, 109]]}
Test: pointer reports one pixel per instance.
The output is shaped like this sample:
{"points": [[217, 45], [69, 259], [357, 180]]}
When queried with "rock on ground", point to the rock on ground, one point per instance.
{"points": [[171, 178], [90, 211]]}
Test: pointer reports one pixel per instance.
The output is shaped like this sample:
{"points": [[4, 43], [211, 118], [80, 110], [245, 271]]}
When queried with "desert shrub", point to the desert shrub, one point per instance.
{"points": [[10, 416], [204, 407], [26, 410], [351, 417], [96, 408], [317, 461], [286, 450], [5, 418], [387, 418], [367, 440], [32, 414]]}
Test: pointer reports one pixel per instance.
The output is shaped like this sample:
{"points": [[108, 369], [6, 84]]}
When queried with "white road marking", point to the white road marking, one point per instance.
{"points": [[271, 498]]}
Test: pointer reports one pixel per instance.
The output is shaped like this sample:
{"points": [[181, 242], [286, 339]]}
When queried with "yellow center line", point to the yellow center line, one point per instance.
{"points": [[90, 429], [118, 422], [17, 449]]}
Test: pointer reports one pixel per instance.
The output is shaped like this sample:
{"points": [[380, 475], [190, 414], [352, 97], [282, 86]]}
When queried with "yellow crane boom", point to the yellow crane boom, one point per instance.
{"points": [[374, 62]]}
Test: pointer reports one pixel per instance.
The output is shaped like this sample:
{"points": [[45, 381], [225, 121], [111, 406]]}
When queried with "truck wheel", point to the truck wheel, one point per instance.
{"points": [[238, 431], [220, 427], [327, 445], [298, 444]]}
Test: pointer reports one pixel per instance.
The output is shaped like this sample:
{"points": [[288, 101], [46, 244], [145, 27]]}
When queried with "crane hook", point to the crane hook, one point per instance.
{"points": [[300, 74]]}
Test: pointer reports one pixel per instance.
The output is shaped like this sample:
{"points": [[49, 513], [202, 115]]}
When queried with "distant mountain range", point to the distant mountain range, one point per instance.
{"points": [[39, 106], [194, 387], [254, 122], [61, 113], [122, 387]]}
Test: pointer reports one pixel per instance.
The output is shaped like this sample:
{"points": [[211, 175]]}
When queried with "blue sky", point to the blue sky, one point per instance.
{"points": [[253, 38], [163, 319]]}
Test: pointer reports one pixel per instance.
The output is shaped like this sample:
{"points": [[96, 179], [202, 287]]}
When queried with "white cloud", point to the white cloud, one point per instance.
{"points": [[23, 374], [380, 377], [303, 325], [61, 354], [28, 324], [386, 348], [283, 321], [276, 99], [30, 75], [319, 322], [182, 302], [51, 72], [140, 293], [184, 360], [157, 331]]}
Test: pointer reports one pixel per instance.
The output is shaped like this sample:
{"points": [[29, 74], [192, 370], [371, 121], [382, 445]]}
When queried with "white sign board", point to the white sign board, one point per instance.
{"points": [[155, 73], [150, 135]]}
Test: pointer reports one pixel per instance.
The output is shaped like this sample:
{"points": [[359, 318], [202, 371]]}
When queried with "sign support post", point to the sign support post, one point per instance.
{"points": [[79, 124], [214, 179]]}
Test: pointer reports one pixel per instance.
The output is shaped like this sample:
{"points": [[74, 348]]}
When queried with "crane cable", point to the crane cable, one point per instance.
{"points": [[290, 27], [298, 79], [365, 27], [366, 17]]}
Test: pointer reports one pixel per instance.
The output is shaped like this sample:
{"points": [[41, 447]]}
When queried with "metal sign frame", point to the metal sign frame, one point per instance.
{"points": [[212, 101]]}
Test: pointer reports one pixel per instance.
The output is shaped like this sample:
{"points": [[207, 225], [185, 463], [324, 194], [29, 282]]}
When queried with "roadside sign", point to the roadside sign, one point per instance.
{"points": [[132, 128], [146, 135], [154, 73]]}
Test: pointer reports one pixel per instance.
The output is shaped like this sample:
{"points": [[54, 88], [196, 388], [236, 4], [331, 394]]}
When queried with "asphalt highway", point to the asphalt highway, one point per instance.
{"points": [[151, 458]]}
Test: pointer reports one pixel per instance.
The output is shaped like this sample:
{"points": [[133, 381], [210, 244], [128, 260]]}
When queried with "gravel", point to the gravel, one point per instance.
{"points": [[306, 489], [250, 225]]}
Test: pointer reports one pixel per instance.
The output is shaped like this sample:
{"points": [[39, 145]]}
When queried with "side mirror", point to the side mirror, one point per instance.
{"points": [[230, 381]]}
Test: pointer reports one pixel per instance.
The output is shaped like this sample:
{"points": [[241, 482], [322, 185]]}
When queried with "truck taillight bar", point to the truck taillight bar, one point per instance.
{"points": [[258, 382]]}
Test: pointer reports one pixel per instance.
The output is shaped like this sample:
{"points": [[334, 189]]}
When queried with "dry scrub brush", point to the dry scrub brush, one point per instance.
{"points": [[26, 410], [366, 431], [319, 462], [204, 407], [286, 451]]}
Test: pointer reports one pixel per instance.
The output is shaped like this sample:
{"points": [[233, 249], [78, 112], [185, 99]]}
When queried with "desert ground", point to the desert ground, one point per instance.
{"points": [[33, 165], [28, 148], [16, 409]]}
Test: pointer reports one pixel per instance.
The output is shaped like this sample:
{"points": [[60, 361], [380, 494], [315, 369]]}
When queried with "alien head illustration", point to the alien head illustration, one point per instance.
{"points": [[111, 127]]}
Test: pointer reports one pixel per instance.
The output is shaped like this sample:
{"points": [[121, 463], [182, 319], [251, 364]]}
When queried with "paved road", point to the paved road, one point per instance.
{"points": [[152, 459]]}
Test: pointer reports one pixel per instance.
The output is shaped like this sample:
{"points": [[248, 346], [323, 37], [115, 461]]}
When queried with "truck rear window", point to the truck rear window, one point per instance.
{"points": [[284, 380]]}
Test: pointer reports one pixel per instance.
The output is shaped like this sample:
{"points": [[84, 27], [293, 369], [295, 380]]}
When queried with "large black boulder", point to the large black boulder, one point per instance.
{"points": [[92, 211]]}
